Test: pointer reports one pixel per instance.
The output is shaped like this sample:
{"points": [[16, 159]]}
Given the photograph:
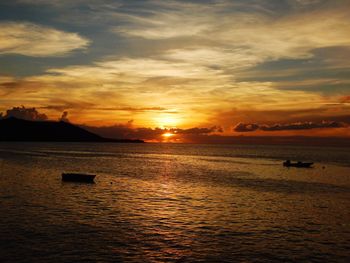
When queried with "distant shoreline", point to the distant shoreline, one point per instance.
{"points": [[19, 130], [107, 141]]}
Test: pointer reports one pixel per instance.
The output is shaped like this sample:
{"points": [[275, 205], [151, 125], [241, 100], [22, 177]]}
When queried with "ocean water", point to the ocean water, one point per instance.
{"points": [[173, 203]]}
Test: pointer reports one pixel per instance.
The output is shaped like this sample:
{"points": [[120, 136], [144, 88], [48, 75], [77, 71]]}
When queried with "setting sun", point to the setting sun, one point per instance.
{"points": [[168, 135]]}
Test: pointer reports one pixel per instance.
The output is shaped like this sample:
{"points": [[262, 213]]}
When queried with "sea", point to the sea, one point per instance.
{"points": [[173, 203]]}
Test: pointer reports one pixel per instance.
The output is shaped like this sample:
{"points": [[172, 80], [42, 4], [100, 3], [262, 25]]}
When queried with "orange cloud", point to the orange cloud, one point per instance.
{"points": [[345, 99]]}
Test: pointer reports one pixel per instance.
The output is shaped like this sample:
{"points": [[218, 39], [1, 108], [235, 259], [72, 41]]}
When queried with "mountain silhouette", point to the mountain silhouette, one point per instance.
{"points": [[13, 129]]}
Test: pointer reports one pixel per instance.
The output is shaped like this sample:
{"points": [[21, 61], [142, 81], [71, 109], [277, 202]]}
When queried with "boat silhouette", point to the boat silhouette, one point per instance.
{"points": [[299, 164], [78, 177]]}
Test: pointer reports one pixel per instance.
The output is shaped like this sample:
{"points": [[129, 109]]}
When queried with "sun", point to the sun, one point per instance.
{"points": [[168, 134]]}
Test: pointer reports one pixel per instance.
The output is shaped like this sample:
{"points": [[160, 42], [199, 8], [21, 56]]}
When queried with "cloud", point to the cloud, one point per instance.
{"points": [[345, 99], [187, 57], [293, 36], [243, 127], [64, 116], [196, 130], [260, 31], [38, 41], [64, 104], [127, 131], [165, 20], [24, 113], [143, 90], [61, 105], [215, 57], [213, 135], [292, 112], [308, 2], [51, 2], [302, 126], [131, 73], [257, 32], [137, 109]]}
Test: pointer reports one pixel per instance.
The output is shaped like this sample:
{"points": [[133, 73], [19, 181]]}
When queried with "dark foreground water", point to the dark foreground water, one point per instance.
{"points": [[173, 203]]}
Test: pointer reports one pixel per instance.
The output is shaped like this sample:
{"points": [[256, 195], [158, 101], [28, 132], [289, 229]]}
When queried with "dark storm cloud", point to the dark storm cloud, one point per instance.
{"points": [[197, 130], [302, 126], [125, 131], [243, 127], [246, 127]]}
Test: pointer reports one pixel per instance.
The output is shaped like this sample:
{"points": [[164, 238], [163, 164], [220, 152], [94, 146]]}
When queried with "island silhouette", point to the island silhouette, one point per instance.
{"points": [[14, 129]]}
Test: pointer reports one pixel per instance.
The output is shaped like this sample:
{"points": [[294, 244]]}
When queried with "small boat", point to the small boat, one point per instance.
{"points": [[78, 177], [288, 163]]}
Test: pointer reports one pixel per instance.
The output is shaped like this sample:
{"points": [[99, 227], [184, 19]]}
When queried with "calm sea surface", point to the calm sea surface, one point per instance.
{"points": [[173, 203]]}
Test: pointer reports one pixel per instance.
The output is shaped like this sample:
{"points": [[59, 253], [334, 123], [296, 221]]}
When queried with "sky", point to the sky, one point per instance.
{"points": [[143, 68]]}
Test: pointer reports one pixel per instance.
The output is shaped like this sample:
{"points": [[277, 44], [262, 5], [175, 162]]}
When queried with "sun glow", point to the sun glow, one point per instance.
{"points": [[167, 121], [168, 135]]}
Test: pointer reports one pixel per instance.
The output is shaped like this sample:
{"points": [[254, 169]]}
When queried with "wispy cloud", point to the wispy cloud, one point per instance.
{"points": [[259, 35], [38, 41], [166, 26]]}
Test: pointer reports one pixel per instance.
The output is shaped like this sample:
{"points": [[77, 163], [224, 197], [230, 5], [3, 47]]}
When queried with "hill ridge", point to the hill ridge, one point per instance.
{"points": [[14, 129]]}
